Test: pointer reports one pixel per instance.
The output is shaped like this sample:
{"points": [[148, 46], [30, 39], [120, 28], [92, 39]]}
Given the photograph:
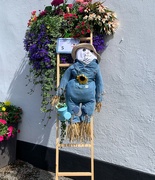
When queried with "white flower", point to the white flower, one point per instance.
{"points": [[115, 15], [98, 17], [86, 17], [103, 20], [109, 24], [92, 16], [101, 9], [115, 24]]}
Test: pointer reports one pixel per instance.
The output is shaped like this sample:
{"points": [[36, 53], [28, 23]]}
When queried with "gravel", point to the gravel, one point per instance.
{"points": [[24, 171]]}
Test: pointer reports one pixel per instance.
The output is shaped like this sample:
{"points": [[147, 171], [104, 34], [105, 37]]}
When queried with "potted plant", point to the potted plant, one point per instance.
{"points": [[10, 115]]}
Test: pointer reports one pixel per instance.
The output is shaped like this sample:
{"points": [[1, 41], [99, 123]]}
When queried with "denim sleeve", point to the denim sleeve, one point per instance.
{"points": [[99, 86], [64, 80]]}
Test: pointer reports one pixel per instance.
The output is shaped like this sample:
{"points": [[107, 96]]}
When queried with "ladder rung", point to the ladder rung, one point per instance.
{"points": [[74, 173], [74, 145], [85, 38], [64, 65]]}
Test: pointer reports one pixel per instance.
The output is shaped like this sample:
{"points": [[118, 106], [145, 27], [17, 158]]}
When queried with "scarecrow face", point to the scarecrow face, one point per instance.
{"points": [[85, 55]]}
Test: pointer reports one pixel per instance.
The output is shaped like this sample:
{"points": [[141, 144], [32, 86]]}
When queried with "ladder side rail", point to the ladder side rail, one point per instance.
{"points": [[58, 145]]}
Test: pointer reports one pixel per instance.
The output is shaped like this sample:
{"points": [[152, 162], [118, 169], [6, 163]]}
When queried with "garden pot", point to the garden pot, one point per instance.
{"points": [[8, 151]]}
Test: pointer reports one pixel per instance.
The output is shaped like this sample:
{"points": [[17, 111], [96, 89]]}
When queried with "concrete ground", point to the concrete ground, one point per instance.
{"points": [[24, 171]]}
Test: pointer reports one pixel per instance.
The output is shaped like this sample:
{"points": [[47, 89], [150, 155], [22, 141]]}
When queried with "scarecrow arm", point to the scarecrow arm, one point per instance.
{"points": [[62, 87], [64, 80]]}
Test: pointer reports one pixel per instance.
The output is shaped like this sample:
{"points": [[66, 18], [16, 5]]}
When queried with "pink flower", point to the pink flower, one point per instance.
{"points": [[5, 113], [81, 9], [33, 13], [10, 129], [1, 138], [56, 2], [79, 1], [85, 3], [2, 121]]}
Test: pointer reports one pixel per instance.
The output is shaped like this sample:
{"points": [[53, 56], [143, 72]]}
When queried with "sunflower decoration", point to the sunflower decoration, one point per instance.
{"points": [[82, 79]]}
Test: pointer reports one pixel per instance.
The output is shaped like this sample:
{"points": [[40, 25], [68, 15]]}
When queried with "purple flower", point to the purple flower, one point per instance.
{"points": [[99, 43], [63, 59], [38, 50]]}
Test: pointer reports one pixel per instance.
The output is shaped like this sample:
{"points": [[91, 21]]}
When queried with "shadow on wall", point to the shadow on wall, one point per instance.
{"points": [[32, 126], [35, 128]]}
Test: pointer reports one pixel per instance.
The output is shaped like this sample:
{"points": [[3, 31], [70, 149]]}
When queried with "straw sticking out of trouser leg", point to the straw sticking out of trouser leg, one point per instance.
{"points": [[79, 132]]}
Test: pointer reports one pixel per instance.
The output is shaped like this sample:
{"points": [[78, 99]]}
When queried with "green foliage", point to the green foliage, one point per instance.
{"points": [[9, 112], [3, 129]]}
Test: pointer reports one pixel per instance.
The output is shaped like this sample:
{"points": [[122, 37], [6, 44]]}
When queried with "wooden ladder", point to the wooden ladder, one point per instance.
{"points": [[88, 145]]}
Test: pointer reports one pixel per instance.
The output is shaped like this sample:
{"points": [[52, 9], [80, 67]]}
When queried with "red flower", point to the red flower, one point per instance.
{"points": [[88, 31], [70, 6], [56, 2], [1, 138], [16, 117], [68, 15], [43, 13], [83, 23], [82, 32], [2, 121], [33, 13], [35, 18], [18, 131]]}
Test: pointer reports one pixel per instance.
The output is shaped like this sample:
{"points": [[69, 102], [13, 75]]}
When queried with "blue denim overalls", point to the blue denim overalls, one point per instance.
{"points": [[82, 96]]}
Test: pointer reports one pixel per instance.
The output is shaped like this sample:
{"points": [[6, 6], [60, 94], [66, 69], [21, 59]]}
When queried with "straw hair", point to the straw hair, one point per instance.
{"points": [[87, 46]]}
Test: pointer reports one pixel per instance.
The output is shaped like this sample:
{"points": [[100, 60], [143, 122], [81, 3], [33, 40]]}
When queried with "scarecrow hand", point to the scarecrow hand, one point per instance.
{"points": [[98, 106], [55, 100]]}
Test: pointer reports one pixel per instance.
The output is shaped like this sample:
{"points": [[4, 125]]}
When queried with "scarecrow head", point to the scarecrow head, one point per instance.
{"points": [[85, 53]]}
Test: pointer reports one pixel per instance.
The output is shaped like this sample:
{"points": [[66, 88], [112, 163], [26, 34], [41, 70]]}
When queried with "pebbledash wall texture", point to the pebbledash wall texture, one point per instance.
{"points": [[125, 128]]}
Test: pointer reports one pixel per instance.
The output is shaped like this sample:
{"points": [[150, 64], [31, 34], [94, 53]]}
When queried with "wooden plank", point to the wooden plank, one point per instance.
{"points": [[92, 147], [74, 145], [58, 69], [85, 39], [74, 174], [91, 38], [57, 148], [64, 65]]}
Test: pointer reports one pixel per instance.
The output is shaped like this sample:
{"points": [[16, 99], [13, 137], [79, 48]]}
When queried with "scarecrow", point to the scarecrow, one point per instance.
{"points": [[82, 85]]}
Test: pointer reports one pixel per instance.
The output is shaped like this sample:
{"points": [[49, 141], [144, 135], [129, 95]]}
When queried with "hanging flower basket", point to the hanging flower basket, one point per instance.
{"points": [[62, 20]]}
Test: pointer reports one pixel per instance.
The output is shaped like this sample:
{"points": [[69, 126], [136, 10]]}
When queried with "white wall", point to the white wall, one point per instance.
{"points": [[125, 128]]}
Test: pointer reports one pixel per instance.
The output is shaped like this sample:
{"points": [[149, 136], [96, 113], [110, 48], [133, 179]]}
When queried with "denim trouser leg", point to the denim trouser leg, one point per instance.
{"points": [[87, 111], [71, 105]]}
